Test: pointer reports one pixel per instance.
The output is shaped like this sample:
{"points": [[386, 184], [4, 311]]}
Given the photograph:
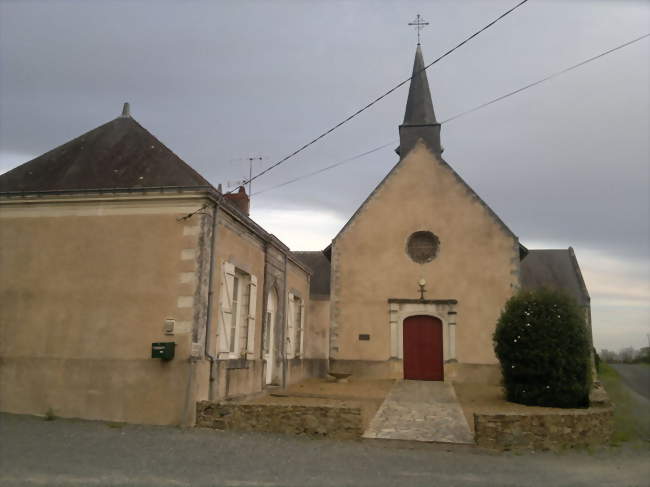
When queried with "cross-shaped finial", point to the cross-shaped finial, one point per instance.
{"points": [[419, 24]]}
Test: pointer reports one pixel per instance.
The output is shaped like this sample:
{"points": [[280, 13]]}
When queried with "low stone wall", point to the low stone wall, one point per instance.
{"points": [[324, 421], [544, 431]]}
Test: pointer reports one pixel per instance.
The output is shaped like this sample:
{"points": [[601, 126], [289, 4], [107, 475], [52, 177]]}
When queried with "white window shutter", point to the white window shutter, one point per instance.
{"points": [[290, 327], [225, 307], [252, 310], [302, 328]]}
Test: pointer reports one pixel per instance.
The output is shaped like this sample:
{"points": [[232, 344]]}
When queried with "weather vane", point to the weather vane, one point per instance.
{"points": [[419, 24]]}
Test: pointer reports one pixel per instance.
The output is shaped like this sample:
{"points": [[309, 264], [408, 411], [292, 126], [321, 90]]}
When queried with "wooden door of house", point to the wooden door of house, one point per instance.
{"points": [[268, 337], [423, 358]]}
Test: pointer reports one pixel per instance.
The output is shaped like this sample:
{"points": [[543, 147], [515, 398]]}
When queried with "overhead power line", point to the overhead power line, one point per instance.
{"points": [[461, 114], [551, 76], [327, 168], [381, 97]]}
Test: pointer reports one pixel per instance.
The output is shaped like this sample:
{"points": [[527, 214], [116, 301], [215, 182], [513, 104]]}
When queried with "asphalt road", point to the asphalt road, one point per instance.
{"points": [[35, 452], [636, 377]]}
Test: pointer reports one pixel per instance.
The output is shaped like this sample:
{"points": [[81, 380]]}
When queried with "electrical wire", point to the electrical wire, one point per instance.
{"points": [[554, 75], [381, 97], [327, 168], [461, 114]]}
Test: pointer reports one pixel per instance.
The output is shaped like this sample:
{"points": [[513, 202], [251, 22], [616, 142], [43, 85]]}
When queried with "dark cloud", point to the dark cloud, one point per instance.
{"points": [[566, 161]]}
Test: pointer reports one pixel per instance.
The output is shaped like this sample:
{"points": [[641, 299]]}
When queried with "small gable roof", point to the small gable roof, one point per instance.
{"points": [[120, 154], [320, 265], [556, 269]]}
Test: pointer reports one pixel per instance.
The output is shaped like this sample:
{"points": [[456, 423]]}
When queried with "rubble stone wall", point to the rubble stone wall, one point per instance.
{"points": [[325, 421], [544, 431]]}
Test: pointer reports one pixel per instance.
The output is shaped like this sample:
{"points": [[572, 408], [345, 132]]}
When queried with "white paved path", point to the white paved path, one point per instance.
{"points": [[420, 411]]}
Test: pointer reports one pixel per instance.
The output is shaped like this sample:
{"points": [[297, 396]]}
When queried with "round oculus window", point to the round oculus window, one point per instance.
{"points": [[422, 246]]}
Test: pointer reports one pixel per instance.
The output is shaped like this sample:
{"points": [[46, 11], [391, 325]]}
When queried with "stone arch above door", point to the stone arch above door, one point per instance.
{"points": [[443, 309]]}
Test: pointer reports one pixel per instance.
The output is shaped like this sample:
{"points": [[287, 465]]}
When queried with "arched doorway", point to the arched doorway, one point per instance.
{"points": [[423, 359], [268, 342]]}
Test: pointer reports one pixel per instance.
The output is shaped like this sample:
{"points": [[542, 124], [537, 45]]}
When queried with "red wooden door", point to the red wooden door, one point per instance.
{"points": [[423, 348]]}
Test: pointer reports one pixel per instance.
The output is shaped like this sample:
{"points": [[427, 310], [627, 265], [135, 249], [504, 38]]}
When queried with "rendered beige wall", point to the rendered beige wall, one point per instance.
{"points": [[477, 263], [236, 244], [312, 361], [239, 246], [317, 346], [85, 288]]}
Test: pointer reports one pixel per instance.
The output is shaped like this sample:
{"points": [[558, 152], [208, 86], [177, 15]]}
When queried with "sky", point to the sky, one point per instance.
{"points": [[565, 163]]}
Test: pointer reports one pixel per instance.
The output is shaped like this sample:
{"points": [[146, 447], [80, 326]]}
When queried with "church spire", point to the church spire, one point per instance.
{"points": [[419, 118], [419, 107]]}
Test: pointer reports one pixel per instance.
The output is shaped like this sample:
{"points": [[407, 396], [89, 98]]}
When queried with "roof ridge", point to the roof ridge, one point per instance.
{"points": [[490, 211], [180, 159], [576, 267], [120, 153]]}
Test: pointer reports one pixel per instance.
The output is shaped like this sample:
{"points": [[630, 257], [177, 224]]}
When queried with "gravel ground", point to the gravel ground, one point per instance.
{"points": [[636, 376], [90, 453]]}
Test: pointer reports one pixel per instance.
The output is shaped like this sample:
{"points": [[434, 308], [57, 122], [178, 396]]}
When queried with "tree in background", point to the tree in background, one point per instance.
{"points": [[628, 355], [542, 343], [644, 355], [608, 356]]}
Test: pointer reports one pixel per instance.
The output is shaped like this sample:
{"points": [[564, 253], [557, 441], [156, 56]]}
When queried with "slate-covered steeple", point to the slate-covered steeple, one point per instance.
{"points": [[419, 118]]}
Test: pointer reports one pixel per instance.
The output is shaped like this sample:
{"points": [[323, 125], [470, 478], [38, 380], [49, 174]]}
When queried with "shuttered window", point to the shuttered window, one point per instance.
{"points": [[250, 317], [235, 314], [238, 301], [298, 308], [295, 326]]}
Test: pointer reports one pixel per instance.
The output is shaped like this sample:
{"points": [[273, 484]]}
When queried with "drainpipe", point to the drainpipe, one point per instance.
{"points": [[265, 296], [188, 392], [208, 319]]}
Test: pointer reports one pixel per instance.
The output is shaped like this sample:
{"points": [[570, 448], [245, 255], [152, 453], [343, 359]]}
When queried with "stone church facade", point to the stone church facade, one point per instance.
{"points": [[415, 281], [131, 288]]}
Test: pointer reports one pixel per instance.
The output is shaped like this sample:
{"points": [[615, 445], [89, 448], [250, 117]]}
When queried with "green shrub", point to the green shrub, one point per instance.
{"points": [[542, 342]]}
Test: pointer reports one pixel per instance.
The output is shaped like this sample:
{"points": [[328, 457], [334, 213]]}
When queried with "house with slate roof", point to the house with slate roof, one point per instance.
{"points": [[131, 288]]}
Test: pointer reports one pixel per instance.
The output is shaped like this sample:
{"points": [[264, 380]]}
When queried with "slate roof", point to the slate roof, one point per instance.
{"points": [[119, 154], [554, 268], [419, 106], [320, 265]]}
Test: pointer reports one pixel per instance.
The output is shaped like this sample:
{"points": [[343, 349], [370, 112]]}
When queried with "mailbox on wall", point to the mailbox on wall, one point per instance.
{"points": [[163, 350]]}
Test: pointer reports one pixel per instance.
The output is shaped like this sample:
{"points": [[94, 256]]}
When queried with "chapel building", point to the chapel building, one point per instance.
{"points": [[417, 278]]}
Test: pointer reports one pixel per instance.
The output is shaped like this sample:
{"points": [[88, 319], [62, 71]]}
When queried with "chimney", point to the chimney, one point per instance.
{"points": [[240, 200], [126, 110]]}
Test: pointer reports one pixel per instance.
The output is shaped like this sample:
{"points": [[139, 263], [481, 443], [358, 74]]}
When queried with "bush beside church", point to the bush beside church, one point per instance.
{"points": [[542, 343]]}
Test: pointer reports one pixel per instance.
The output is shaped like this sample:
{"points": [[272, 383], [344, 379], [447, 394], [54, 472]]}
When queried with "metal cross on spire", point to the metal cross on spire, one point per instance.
{"points": [[419, 24]]}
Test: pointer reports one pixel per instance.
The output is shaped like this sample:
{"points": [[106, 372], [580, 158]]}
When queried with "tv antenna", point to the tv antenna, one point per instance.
{"points": [[251, 160]]}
